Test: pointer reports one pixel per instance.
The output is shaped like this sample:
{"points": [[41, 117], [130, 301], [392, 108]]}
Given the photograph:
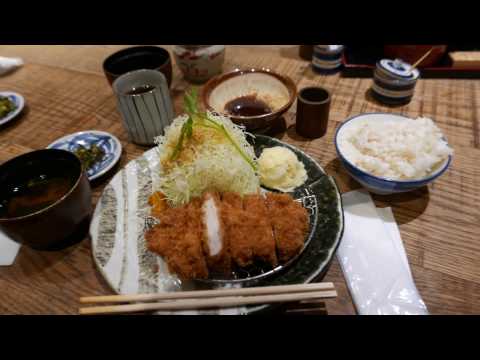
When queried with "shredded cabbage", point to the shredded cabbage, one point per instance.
{"points": [[208, 161]]}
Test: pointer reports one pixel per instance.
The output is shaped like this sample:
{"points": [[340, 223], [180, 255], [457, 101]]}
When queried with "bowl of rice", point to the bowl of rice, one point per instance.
{"points": [[389, 153]]}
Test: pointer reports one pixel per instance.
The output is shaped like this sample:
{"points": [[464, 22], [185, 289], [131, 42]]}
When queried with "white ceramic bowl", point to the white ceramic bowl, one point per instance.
{"points": [[376, 184]]}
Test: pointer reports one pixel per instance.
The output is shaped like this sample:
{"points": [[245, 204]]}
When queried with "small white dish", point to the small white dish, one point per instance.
{"points": [[107, 142], [8, 250], [19, 102]]}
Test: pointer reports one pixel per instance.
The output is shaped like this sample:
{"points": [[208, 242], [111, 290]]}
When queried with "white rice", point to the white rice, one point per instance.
{"points": [[395, 149]]}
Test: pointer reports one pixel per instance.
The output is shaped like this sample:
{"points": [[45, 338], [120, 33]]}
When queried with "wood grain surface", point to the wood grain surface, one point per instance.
{"points": [[65, 91]]}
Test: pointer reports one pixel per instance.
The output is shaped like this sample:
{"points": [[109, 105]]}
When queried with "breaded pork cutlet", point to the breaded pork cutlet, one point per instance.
{"points": [[261, 234], [236, 228], [232, 199], [215, 243], [290, 224], [178, 239], [211, 234]]}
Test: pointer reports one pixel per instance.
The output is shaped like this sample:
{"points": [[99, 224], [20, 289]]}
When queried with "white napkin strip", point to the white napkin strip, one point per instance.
{"points": [[386, 215], [373, 261], [8, 250], [9, 64]]}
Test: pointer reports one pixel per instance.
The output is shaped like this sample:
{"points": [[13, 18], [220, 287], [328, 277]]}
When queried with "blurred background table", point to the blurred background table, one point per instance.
{"points": [[66, 91]]}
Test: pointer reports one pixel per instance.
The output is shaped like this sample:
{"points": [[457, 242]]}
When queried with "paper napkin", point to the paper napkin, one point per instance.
{"points": [[9, 64], [374, 261], [8, 250]]}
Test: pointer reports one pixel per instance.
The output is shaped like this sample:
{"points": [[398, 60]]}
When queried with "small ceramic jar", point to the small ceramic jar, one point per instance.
{"points": [[393, 82], [327, 58], [199, 63]]}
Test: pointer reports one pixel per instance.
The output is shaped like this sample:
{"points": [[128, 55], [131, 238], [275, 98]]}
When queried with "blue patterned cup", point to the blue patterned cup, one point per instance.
{"points": [[394, 82], [327, 58], [145, 104]]}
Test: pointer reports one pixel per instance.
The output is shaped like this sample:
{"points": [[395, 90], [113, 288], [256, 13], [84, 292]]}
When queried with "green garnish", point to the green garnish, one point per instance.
{"points": [[202, 119], [6, 106], [89, 156], [187, 130]]}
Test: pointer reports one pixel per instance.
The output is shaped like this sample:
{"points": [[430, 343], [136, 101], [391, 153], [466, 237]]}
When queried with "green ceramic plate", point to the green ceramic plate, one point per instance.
{"points": [[118, 226], [313, 263]]}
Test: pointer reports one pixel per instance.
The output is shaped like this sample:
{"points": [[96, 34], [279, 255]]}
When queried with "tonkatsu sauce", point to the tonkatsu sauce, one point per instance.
{"points": [[247, 106]]}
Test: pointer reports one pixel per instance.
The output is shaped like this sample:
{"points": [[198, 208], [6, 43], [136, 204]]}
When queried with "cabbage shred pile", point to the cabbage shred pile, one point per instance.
{"points": [[203, 151]]}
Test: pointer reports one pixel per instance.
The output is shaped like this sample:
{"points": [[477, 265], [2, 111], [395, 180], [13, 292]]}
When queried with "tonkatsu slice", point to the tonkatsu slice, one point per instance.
{"points": [[178, 238], [215, 243], [235, 223], [261, 237], [233, 200], [290, 224]]}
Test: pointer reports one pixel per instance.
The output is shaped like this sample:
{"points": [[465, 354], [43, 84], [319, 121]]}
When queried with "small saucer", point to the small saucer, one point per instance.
{"points": [[19, 102], [107, 142]]}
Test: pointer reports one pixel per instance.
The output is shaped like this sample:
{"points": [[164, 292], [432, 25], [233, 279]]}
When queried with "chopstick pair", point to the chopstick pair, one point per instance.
{"points": [[204, 299]]}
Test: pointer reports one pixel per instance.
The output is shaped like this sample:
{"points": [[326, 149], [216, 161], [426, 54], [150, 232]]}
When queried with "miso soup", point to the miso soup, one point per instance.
{"points": [[33, 195]]}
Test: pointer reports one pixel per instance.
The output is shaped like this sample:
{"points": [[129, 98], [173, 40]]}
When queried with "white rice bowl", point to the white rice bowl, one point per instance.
{"points": [[393, 147]]}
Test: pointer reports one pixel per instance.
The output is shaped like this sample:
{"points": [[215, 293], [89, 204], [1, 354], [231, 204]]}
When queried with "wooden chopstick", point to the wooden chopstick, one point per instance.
{"points": [[279, 289], [208, 303], [420, 60], [306, 307]]}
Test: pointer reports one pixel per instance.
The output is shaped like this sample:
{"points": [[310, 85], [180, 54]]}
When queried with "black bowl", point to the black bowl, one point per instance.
{"points": [[136, 58], [45, 224]]}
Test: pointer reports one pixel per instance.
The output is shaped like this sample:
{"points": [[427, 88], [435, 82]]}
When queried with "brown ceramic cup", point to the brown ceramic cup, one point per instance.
{"points": [[137, 58], [306, 52], [313, 108], [54, 226]]}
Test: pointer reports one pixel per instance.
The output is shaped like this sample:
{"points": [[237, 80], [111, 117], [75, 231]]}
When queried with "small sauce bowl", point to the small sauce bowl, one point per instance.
{"points": [[273, 93], [47, 217]]}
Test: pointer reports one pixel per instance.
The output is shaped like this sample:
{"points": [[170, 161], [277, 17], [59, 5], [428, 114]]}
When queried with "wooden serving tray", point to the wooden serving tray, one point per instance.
{"points": [[361, 63]]}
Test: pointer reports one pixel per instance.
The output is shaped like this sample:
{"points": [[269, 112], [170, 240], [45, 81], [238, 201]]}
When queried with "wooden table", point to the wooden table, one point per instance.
{"points": [[66, 91]]}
